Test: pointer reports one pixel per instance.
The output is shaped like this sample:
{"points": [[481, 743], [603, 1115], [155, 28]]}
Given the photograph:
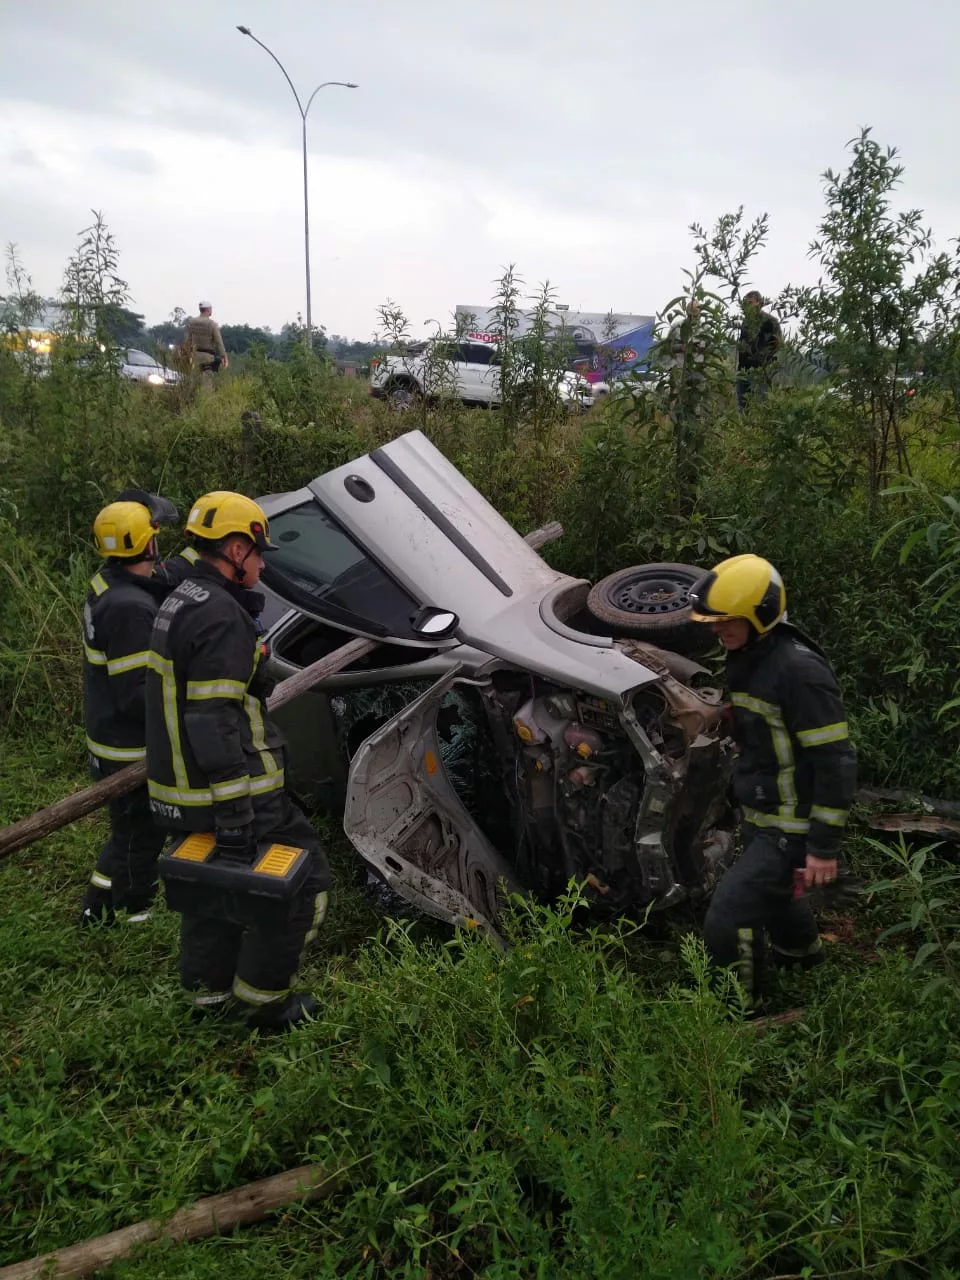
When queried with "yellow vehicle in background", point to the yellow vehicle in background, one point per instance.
{"points": [[35, 331], [39, 341]]}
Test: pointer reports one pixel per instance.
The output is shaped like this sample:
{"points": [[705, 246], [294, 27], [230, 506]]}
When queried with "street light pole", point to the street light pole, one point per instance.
{"points": [[304, 110]]}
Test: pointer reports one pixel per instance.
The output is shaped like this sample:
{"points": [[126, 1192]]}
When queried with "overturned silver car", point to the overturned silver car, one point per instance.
{"points": [[497, 740]]}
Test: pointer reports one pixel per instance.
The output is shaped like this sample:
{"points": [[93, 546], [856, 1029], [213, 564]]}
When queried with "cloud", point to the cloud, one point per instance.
{"points": [[25, 158], [577, 142], [126, 159]]}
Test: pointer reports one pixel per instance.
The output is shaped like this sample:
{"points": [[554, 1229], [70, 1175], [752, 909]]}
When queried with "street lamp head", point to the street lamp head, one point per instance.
{"points": [[351, 85], [245, 31]]}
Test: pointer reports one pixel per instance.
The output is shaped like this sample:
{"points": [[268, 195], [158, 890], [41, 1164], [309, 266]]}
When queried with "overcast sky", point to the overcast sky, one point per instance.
{"points": [[577, 138]]}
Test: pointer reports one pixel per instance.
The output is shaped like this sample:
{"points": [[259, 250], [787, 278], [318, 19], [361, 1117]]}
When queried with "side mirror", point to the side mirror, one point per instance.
{"points": [[436, 623]]}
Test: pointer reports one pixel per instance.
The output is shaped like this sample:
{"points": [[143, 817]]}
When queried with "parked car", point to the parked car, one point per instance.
{"points": [[468, 370], [515, 727], [140, 366]]}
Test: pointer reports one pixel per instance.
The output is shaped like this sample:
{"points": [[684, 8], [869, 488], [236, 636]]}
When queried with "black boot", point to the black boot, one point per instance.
{"points": [[96, 910], [298, 1007], [809, 959], [214, 1010]]}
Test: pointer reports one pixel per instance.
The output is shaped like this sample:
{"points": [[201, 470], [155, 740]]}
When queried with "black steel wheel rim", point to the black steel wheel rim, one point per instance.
{"points": [[649, 596]]}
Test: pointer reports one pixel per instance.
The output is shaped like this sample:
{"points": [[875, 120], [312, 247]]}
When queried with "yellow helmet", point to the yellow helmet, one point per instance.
{"points": [[217, 515], [124, 531], [742, 587]]}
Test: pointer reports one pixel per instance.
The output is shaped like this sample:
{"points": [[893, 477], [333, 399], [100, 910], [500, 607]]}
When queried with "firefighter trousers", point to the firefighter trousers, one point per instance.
{"points": [[223, 956], [754, 898], [125, 877]]}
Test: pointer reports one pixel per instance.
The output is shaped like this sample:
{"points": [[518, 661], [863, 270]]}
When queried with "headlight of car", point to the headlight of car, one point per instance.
{"points": [[155, 379]]}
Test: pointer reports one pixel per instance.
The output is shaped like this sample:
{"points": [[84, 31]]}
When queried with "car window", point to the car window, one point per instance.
{"points": [[139, 357], [453, 351], [318, 566], [477, 353]]}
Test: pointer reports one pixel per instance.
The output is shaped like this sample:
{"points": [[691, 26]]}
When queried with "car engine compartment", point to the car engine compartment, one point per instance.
{"points": [[630, 802]]}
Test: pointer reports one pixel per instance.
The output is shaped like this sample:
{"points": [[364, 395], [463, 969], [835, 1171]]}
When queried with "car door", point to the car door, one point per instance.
{"points": [[404, 817], [478, 373], [321, 589]]}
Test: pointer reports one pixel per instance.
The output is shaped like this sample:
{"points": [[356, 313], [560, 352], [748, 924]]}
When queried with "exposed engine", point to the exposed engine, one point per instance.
{"points": [[626, 800]]}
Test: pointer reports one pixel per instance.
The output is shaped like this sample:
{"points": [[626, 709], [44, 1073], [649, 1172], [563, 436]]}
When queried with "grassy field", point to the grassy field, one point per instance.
{"points": [[565, 1109], [581, 1105]]}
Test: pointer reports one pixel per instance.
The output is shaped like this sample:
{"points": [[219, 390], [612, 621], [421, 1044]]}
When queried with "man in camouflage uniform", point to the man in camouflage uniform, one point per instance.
{"points": [[203, 341]]}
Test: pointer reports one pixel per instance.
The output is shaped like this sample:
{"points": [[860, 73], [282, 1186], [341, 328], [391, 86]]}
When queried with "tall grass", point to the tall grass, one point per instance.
{"points": [[581, 1105]]}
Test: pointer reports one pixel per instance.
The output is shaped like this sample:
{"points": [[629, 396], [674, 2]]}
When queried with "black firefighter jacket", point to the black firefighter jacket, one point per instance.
{"points": [[174, 569], [796, 769], [117, 621], [211, 750]]}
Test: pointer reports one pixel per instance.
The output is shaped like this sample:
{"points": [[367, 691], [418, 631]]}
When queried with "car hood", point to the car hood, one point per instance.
{"points": [[441, 540]]}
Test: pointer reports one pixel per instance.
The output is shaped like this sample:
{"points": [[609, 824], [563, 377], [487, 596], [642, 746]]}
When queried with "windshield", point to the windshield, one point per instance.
{"points": [[318, 566], [140, 357]]}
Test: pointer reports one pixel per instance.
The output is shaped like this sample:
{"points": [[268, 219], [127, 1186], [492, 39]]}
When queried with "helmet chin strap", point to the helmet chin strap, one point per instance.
{"points": [[241, 569], [239, 572], [150, 552]]}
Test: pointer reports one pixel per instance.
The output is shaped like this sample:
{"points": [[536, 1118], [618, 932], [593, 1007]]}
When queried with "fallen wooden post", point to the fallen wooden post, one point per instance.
{"points": [[538, 538], [75, 806], [207, 1217], [900, 795], [917, 824]]}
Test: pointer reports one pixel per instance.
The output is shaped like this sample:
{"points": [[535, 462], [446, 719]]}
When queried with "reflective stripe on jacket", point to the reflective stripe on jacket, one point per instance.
{"points": [[174, 569], [796, 771], [117, 621], [211, 750]]}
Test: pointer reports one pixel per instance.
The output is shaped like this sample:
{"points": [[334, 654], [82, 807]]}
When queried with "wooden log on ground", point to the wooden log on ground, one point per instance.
{"points": [[538, 538], [899, 795], [921, 824], [207, 1217], [70, 808]]}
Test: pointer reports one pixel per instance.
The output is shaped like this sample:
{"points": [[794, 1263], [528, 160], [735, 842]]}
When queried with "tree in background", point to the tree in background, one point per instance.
{"points": [[294, 334], [170, 332], [883, 295], [240, 338], [125, 327], [352, 349]]}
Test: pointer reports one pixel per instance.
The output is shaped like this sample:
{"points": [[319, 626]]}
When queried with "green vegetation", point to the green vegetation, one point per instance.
{"points": [[581, 1105]]}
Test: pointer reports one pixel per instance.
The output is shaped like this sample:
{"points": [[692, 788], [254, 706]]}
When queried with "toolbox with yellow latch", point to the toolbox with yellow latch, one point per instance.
{"points": [[276, 872]]}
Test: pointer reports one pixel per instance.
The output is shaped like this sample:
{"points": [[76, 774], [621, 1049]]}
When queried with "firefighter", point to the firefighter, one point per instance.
{"points": [[794, 777], [173, 569], [215, 764], [117, 620]]}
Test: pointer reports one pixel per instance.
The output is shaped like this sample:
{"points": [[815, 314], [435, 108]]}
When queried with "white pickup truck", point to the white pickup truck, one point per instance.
{"points": [[465, 369]]}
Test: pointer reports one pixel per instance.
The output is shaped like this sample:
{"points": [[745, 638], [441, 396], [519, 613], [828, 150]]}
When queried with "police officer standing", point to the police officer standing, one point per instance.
{"points": [[203, 340], [117, 621], [215, 764], [794, 777], [760, 340]]}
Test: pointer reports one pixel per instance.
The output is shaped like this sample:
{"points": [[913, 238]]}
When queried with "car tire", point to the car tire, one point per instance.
{"points": [[651, 602], [402, 394]]}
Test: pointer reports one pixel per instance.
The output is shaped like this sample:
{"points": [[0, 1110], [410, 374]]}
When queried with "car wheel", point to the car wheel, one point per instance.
{"points": [[651, 602], [402, 395]]}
